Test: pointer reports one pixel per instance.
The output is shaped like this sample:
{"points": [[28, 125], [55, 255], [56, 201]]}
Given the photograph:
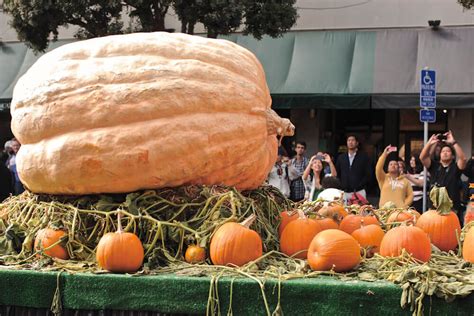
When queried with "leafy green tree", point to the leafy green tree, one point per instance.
{"points": [[150, 13], [467, 4], [256, 17], [35, 21]]}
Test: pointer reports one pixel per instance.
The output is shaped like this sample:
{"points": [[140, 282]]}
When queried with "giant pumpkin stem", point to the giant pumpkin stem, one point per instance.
{"points": [[249, 221], [441, 201], [277, 125]]}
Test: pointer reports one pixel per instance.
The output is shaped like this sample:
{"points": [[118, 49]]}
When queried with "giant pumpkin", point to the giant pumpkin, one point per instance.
{"points": [[145, 110]]}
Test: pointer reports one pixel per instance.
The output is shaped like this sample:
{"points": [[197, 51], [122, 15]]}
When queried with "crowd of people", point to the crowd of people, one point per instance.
{"points": [[9, 181], [400, 184]]}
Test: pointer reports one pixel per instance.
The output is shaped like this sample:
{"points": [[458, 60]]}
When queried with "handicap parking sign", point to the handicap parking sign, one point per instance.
{"points": [[428, 89]]}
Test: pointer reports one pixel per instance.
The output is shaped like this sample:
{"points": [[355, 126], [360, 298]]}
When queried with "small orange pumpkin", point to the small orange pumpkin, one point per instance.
{"points": [[369, 238], [195, 254], [298, 235], [352, 221], [468, 246], [411, 238], [333, 249], [120, 251], [442, 225], [46, 237], [236, 244], [397, 217], [286, 218], [327, 223], [333, 210]]}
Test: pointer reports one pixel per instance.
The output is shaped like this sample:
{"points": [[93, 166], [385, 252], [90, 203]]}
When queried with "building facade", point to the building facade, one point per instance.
{"points": [[346, 67]]}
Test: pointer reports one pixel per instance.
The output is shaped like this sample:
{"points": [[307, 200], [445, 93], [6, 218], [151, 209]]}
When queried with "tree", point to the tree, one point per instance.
{"points": [[467, 4], [151, 13], [258, 17], [36, 20]]}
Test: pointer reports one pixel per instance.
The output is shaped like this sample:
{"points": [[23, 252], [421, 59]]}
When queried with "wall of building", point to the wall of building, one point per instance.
{"points": [[307, 129]]}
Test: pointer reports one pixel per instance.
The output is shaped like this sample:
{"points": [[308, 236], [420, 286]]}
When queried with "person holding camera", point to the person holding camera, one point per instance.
{"points": [[394, 187], [446, 172], [314, 174], [282, 173]]}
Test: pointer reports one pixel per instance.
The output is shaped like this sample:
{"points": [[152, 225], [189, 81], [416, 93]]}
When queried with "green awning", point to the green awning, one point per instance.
{"points": [[337, 69]]}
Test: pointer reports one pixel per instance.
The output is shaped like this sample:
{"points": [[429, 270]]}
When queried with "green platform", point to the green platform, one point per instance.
{"points": [[189, 295]]}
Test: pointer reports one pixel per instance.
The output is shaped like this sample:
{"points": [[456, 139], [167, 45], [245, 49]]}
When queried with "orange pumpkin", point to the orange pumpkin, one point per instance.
{"points": [[334, 211], [195, 254], [286, 217], [442, 228], [369, 238], [413, 239], [468, 246], [47, 237], [120, 251], [398, 217], [442, 224], [333, 249], [298, 235], [327, 223], [352, 221], [235, 243], [146, 101]]}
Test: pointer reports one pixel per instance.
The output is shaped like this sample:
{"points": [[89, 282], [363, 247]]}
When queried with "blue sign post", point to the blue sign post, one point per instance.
{"points": [[428, 89], [428, 116], [427, 112]]}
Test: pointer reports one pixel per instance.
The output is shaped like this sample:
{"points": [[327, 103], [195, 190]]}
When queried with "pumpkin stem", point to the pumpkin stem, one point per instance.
{"points": [[441, 201], [119, 222], [249, 221], [301, 214], [277, 125]]}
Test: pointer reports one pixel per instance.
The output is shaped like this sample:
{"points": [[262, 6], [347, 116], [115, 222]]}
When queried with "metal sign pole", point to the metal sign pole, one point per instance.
{"points": [[425, 171], [427, 113]]}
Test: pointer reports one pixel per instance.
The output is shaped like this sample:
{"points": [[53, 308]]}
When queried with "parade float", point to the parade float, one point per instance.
{"points": [[145, 157]]}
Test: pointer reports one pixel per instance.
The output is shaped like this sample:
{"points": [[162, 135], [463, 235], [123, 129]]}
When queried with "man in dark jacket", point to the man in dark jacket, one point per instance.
{"points": [[353, 168]]}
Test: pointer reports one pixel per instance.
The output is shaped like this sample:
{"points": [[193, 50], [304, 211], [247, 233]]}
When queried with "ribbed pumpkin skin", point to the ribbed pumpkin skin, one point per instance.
{"points": [[327, 223], [285, 218], [235, 244], [352, 222], [468, 246], [442, 229], [195, 254], [333, 248], [297, 236], [369, 237], [46, 237], [411, 238], [120, 252], [144, 110]]}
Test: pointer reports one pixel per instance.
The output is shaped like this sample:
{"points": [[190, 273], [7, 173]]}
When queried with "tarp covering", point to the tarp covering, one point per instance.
{"points": [[316, 68], [15, 60], [183, 294]]}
